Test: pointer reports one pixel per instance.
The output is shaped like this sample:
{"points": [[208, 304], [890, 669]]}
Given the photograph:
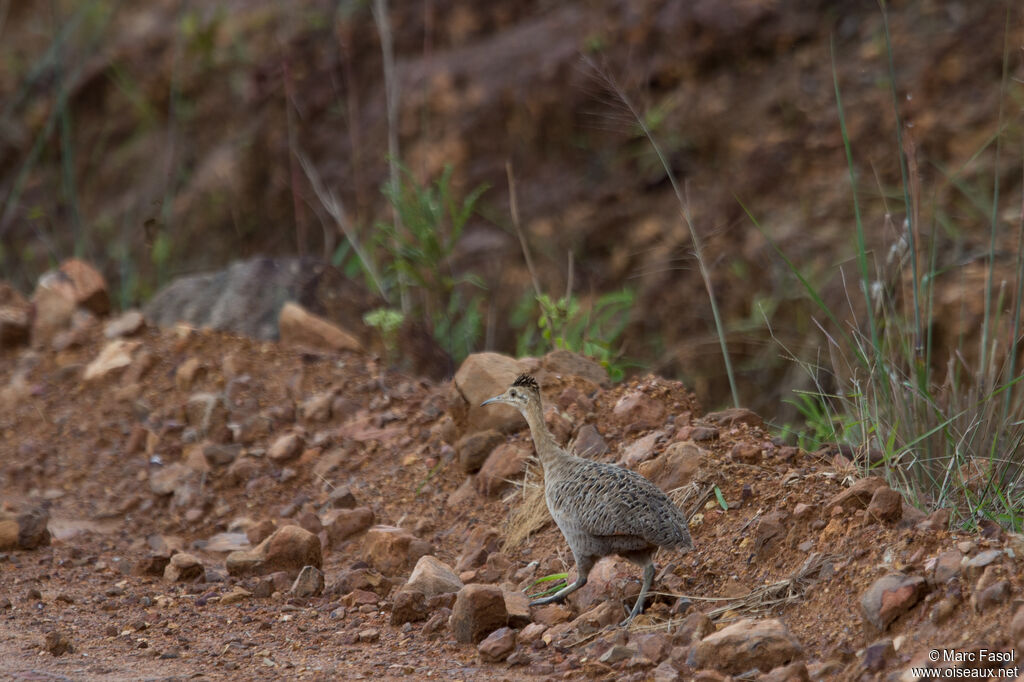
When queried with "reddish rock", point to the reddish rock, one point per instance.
{"points": [[478, 546], [611, 579], [589, 443], [976, 565], [550, 615], [653, 646], [886, 505], [748, 453], [482, 376], [432, 577], [567, 363], [639, 410], [341, 497], [299, 327], [676, 467], [597, 618], [890, 597], [317, 408], [640, 450], [497, 645], [517, 605], [937, 520], [794, 672], [474, 449], [945, 568], [746, 644], [735, 415], [858, 495], [994, 595], [287, 549], [286, 447], [115, 355], [409, 606], [309, 583], [392, 550], [478, 611], [505, 464], [693, 628], [128, 323], [184, 568]]}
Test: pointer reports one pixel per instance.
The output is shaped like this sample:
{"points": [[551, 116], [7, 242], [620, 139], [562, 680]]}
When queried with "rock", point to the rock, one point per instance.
{"points": [[482, 376], [497, 645], [409, 606], [886, 505], [171, 478], [369, 635], [794, 672], [288, 549], [506, 463], [309, 583], [551, 614], [747, 453], [8, 533], [392, 550], [733, 416], [57, 643], [693, 628], [341, 497], [604, 614], [567, 363], [665, 672], [341, 524], [226, 542], [946, 567], [517, 605], [184, 568], [640, 450], [654, 646], [937, 520], [1017, 628], [876, 655], [188, 372], [432, 577], [128, 323], [33, 528], [993, 595], [676, 467], [317, 408], [220, 455], [260, 531], [531, 633], [474, 449], [15, 317], [286, 447], [640, 411], [890, 597], [478, 611], [589, 443], [858, 495], [744, 645], [803, 511], [299, 327], [478, 546], [236, 595], [84, 285], [115, 355], [975, 566], [611, 579], [207, 413], [617, 653]]}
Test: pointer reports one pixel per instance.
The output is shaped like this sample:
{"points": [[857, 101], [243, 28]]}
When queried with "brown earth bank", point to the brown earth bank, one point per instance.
{"points": [[191, 504], [165, 138]]}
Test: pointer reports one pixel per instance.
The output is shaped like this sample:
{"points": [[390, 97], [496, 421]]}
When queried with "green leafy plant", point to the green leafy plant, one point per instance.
{"points": [[558, 580], [565, 323], [387, 321]]}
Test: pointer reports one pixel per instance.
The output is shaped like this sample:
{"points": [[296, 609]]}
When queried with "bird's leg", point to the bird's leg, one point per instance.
{"points": [[639, 605], [583, 566]]}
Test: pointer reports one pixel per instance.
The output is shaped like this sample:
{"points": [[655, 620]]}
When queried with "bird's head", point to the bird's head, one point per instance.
{"points": [[522, 391]]}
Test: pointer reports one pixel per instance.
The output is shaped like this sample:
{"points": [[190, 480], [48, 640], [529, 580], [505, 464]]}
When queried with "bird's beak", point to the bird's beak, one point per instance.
{"points": [[495, 399]]}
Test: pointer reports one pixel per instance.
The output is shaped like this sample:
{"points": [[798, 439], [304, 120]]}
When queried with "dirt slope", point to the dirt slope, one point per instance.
{"points": [[92, 450]]}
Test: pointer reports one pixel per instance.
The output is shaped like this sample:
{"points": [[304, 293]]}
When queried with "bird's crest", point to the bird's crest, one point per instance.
{"points": [[527, 381]]}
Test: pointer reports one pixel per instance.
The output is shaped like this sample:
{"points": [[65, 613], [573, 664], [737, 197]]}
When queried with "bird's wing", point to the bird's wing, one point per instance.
{"points": [[607, 500]]}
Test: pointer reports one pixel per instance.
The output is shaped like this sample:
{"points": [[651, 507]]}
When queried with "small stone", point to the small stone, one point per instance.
{"points": [[589, 443], [746, 644], [478, 611], [676, 467], [188, 372], [392, 550], [886, 505], [474, 449], [517, 605], [289, 548], [33, 531], [876, 655], [640, 450], [317, 408], [184, 568], [299, 327], [975, 566], [794, 672], [693, 628], [258, 532], [890, 597], [128, 323], [309, 583], [57, 643], [937, 520], [115, 355], [993, 595], [286, 447], [432, 577], [858, 495], [747, 453], [237, 594], [665, 672], [409, 606], [506, 463], [735, 415], [217, 454], [498, 645], [532, 632], [604, 614], [341, 524], [618, 652], [369, 635], [341, 497], [478, 546], [639, 410], [482, 376]]}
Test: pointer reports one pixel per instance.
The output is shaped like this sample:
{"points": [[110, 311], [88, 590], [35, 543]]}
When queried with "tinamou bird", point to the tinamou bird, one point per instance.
{"points": [[601, 509]]}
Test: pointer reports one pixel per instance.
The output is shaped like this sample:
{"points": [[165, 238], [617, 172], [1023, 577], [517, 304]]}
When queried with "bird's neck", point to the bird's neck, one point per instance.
{"points": [[548, 450]]}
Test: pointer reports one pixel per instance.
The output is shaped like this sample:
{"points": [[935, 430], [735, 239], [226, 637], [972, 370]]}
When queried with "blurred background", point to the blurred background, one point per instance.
{"points": [[171, 137]]}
